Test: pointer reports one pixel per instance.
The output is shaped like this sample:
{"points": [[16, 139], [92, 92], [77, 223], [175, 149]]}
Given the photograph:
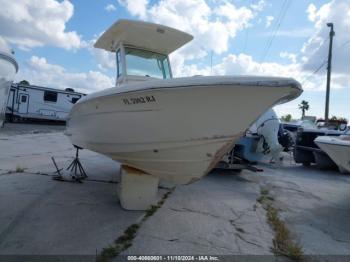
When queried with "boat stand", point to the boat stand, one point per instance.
{"points": [[76, 170], [76, 166], [137, 190]]}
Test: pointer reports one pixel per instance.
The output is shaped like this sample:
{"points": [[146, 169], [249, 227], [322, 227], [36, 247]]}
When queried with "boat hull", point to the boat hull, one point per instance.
{"points": [[8, 69], [177, 133], [337, 149]]}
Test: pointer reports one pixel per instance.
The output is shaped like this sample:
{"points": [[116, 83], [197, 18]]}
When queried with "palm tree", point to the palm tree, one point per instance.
{"points": [[304, 106]]}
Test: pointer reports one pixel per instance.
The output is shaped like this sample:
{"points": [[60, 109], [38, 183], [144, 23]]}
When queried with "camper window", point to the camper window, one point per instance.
{"points": [[50, 96]]}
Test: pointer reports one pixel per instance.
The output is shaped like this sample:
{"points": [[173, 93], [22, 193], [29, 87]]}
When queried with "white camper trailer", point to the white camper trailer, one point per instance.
{"points": [[40, 103]]}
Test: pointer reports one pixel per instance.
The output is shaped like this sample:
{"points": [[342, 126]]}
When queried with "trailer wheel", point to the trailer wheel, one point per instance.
{"points": [[303, 156], [15, 119], [306, 164]]}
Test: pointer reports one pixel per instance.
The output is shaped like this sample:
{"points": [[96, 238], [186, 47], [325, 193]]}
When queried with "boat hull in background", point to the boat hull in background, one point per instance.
{"points": [[338, 149], [8, 70], [177, 129]]}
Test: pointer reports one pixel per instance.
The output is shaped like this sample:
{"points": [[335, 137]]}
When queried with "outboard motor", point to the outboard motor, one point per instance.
{"points": [[285, 138], [267, 127]]}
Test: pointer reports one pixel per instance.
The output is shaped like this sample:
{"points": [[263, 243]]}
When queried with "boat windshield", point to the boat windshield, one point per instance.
{"points": [[146, 63]]}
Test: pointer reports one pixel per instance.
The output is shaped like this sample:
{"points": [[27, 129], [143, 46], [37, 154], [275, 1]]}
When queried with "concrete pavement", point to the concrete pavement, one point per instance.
{"points": [[216, 215]]}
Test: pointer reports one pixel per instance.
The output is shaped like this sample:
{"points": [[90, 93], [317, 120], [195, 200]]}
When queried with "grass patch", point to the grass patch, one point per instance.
{"points": [[153, 208], [264, 191], [265, 199], [149, 212], [122, 243], [282, 243], [19, 169], [295, 252], [125, 240], [107, 254], [128, 236]]}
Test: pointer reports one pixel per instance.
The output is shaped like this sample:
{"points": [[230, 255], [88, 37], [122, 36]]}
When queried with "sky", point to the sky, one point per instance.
{"points": [[53, 42]]}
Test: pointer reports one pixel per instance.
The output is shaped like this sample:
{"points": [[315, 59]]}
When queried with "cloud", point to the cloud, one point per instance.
{"points": [[212, 27], [293, 33], [105, 60], [29, 24], [39, 72], [135, 7], [215, 27], [316, 48], [292, 57], [269, 20], [311, 10], [110, 8], [4, 47], [301, 64], [244, 64], [259, 6]]}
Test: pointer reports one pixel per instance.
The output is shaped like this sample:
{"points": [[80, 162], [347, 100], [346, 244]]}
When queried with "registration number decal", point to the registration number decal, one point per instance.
{"points": [[139, 100]]}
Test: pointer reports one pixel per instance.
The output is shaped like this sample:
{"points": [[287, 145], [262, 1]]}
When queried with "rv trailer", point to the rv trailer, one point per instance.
{"points": [[30, 102]]}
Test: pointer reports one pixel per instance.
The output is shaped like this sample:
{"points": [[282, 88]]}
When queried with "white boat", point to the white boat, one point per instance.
{"points": [[337, 148], [176, 129], [8, 70], [261, 140]]}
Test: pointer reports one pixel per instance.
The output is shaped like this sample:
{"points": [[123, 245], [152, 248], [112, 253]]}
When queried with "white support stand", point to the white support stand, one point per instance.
{"points": [[137, 190]]}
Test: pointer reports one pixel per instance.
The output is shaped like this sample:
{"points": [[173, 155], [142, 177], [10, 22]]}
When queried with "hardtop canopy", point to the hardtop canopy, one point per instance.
{"points": [[154, 37]]}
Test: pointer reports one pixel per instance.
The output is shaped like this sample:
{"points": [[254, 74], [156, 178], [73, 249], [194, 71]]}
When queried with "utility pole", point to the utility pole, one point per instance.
{"points": [[329, 70]]}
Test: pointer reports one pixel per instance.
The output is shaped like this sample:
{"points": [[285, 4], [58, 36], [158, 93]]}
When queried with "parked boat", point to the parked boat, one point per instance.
{"points": [[174, 128], [306, 151], [293, 126], [260, 140], [338, 149], [8, 70]]}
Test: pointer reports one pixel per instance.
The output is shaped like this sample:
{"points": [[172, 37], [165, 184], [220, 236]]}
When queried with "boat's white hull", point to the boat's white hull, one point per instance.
{"points": [[8, 69], [177, 133], [337, 149]]}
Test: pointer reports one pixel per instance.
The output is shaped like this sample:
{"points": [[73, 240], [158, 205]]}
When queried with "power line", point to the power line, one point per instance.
{"points": [[344, 44], [283, 11], [246, 33], [306, 79]]}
